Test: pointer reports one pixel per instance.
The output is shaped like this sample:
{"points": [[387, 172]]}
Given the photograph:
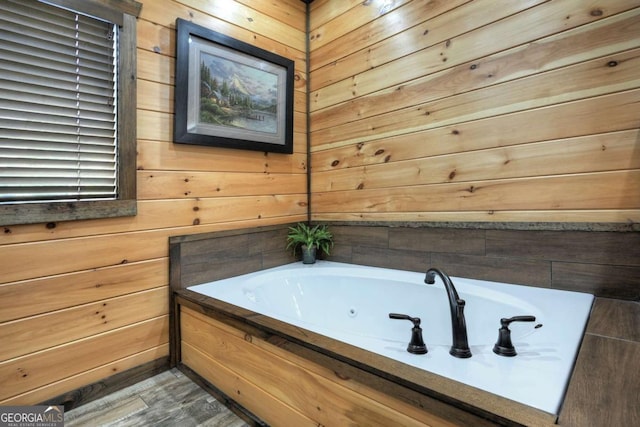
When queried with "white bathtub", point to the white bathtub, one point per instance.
{"points": [[351, 303]]}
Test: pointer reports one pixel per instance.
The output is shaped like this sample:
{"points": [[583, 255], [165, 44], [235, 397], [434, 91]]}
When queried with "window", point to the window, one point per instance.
{"points": [[67, 110]]}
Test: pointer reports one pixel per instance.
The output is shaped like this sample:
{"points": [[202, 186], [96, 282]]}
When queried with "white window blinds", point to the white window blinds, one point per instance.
{"points": [[58, 86]]}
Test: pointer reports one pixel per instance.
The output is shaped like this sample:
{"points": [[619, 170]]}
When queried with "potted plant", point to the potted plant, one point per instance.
{"points": [[309, 239]]}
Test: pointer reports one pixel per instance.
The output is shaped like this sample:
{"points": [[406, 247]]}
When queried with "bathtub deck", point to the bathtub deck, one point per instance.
{"points": [[611, 349], [167, 399]]}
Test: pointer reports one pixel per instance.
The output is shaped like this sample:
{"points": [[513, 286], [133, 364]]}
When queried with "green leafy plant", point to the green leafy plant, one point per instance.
{"points": [[305, 235]]}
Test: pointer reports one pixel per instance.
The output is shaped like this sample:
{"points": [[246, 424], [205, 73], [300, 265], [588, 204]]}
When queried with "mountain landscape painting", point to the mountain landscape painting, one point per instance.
{"points": [[231, 94], [237, 95]]}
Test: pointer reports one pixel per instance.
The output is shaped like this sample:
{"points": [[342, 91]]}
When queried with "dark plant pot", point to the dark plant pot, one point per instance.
{"points": [[308, 255]]}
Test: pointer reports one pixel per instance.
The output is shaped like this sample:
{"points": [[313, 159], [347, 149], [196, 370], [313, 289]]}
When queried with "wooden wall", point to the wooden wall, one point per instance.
{"points": [[510, 111], [83, 300]]}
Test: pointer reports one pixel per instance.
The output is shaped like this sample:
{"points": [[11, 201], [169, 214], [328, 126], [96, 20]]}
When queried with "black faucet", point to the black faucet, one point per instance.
{"points": [[460, 345]]}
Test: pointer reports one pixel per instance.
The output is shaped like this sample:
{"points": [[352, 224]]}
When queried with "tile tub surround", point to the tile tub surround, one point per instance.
{"points": [[603, 263]]}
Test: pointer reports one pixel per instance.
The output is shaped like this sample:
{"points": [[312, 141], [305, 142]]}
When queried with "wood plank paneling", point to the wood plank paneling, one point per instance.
{"points": [[290, 12], [516, 31], [384, 28], [156, 68], [74, 382], [349, 20], [477, 85], [419, 29], [156, 38], [512, 129], [36, 296], [79, 254], [601, 152], [58, 275], [181, 157], [155, 96], [32, 334], [446, 112], [254, 20], [324, 11], [398, 117], [34, 370], [165, 12], [615, 190], [173, 185]]}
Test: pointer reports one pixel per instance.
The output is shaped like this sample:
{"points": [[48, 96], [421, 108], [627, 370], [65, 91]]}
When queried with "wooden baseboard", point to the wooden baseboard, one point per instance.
{"points": [[90, 392]]}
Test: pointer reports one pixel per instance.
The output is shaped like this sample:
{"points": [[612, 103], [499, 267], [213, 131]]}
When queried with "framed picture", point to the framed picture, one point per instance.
{"points": [[230, 93]]}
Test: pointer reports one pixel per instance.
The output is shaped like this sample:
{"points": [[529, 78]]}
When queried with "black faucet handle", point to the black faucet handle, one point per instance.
{"points": [[415, 320], [416, 345], [505, 322]]}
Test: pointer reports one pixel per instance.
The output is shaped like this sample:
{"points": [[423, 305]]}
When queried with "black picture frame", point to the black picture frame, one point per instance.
{"points": [[231, 94]]}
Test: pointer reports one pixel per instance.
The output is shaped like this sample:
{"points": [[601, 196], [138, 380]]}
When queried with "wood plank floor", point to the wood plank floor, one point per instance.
{"points": [[169, 399]]}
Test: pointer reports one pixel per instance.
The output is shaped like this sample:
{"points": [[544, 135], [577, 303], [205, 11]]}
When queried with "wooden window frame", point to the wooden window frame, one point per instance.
{"points": [[124, 14]]}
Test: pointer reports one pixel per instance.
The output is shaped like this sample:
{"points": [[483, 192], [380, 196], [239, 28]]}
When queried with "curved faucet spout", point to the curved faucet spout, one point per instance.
{"points": [[460, 344]]}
